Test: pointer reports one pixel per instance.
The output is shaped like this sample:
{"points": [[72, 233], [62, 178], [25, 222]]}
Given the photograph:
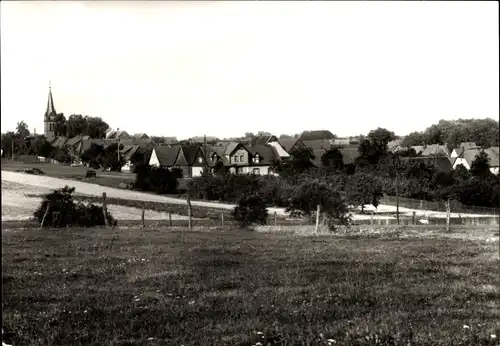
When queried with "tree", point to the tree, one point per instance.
{"points": [[110, 159], [285, 136], [60, 125], [22, 129], [93, 155], [249, 135], [76, 125], [380, 137], [481, 165], [300, 162], [308, 195], [413, 138], [317, 135], [250, 210], [362, 188], [461, 173], [333, 159]]}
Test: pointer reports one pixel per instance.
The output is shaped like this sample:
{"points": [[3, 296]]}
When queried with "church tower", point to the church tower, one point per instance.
{"points": [[49, 124]]}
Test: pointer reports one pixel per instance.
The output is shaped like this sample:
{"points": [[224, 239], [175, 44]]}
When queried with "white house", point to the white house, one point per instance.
{"points": [[468, 156]]}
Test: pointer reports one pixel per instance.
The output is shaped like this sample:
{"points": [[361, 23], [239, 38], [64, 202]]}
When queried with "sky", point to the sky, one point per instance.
{"points": [[225, 68]]}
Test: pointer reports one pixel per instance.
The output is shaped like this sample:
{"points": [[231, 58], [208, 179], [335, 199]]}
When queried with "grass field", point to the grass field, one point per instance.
{"points": [[109, 179], [155, 287]]}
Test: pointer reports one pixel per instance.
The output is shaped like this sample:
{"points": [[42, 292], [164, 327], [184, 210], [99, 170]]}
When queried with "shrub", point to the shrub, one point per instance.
{"points": [[64, 212], [250, 210], [155, 179]]}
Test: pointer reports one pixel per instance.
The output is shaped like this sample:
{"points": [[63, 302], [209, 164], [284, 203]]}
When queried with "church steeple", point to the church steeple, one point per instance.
{"points": [[50, 113], [49, 125]]}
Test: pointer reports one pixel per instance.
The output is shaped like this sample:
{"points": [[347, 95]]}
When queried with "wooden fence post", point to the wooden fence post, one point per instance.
{"points": [[142, 216], [170, 218], [414, 217], [447, 215], [45, 215], [371, 218], [222, 219], [104, 209], [189, 210], [318, 211], [275, 219]]}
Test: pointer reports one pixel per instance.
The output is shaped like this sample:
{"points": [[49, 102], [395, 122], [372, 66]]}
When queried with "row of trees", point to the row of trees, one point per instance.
{"points": [[77, 124], [484, 132]]}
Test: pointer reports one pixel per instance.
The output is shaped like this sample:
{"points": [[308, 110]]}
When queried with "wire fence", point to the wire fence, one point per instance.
{"points": [[456, 207]]}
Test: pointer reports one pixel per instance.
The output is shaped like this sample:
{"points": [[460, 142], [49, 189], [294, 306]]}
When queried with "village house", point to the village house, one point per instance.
{"points": [[467, 157], [189, 158], [463, 147]]}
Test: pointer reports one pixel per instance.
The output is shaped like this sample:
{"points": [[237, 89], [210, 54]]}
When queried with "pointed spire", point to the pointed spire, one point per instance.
{"points": [[51, 111]]}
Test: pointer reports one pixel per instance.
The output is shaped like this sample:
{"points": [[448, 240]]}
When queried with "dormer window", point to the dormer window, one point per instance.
{"points": [[256, 159], [236, 159]]}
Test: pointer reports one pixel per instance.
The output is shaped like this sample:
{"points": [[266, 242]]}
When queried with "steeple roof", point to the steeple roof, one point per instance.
{"points": [[51, 111]]}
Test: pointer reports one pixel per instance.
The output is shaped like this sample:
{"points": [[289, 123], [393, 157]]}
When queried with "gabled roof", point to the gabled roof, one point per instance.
{"points": [[190, 153], [167, 155], [442, 163], [117, 134], [219, 152], [468, 145], [435, 149], [318, 144], [129, 151], [73, 141], [59, 142], [141, 135], [232, 146], [267, 154], [289, 143]]}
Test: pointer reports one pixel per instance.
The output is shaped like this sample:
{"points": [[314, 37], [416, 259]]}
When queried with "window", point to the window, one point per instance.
{"points": [[200, 159], [256, 158], [256, 171], [236, 159], [241, 158]]}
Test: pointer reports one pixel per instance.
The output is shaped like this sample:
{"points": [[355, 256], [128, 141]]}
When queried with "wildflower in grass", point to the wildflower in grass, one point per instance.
{"points": [[493, 336], [466, 326]]}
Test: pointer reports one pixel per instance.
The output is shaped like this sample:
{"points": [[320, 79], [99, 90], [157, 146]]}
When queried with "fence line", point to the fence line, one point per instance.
{"points": [[456, 207]]}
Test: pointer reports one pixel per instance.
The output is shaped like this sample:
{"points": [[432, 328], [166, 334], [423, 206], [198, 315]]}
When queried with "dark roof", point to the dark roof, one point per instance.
{"points": [[59, 142], [167, 155], [74, 140], [442, 163], [128, 152], [219, 151], [190, 153], [288, 143], [267, 154], [318, 144]]}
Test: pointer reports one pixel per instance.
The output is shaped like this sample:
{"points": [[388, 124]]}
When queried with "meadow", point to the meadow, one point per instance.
{"points": [[239, 287]]}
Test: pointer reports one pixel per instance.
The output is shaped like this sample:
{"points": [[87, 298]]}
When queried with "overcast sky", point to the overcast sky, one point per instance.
{"points": [[224, 68]]}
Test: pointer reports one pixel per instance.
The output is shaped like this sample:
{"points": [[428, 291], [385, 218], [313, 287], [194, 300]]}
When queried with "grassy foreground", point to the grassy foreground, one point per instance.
{"points": [[155, 287]]}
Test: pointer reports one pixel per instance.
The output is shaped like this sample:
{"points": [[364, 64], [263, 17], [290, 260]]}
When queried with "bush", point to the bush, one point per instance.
{"points": [[64, 212], [155, 179], [250, 210]]}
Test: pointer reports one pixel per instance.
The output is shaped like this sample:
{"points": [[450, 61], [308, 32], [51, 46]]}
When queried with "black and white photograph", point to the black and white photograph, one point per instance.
{"points": [[250, 173]]}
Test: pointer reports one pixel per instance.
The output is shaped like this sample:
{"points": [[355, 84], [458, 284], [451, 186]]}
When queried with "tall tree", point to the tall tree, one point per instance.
{"points": [[22, 129], [481, 165], [332, 159]]}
